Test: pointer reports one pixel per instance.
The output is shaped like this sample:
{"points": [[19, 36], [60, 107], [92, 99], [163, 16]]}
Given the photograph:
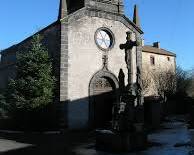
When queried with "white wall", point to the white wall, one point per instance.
{"points": [[85, 59], [161, 64]]}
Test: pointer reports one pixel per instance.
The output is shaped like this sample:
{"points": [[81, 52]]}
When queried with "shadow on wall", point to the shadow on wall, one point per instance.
{"points": [[91, 112], [37, 120], [84, 113], [98, 113], [94, 111]]}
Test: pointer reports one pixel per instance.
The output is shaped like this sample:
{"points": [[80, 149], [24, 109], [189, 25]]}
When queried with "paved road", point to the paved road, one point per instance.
{"points": [[172, 139], [8, 145], [12, 143]]}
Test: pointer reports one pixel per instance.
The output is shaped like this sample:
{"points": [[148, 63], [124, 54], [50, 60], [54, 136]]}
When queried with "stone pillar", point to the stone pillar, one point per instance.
{"points": [[128, 46], [64, 67]]}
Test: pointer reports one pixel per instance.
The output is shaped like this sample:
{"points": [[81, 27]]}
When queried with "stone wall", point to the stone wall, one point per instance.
{"points": [[115, 6], [85, 59]]}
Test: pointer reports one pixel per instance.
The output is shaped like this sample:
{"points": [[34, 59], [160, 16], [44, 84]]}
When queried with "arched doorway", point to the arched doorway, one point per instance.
{"points": [[103, 94]]}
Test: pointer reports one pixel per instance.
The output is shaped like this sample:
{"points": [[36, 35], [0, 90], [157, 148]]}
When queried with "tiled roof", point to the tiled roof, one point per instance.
{"points": [[151, 49]]}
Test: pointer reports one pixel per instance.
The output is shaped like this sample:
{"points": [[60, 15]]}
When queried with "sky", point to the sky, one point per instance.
{"points": [[170, 22]]}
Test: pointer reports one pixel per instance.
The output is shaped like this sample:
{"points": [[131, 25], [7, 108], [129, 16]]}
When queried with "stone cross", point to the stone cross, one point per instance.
{"points": [[128, 54], [105, 61]]}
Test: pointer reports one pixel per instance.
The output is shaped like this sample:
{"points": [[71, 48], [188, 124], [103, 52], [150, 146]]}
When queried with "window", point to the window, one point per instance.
{"points": [[168, 58], [152, 60], [104, 39]]}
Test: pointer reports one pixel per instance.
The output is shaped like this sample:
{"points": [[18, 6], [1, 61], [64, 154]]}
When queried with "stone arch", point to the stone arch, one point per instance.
{"points": [[100, 74], [110, 94]]}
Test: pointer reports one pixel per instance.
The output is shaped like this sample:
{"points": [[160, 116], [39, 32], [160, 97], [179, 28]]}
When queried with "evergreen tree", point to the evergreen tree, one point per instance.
{"points": [[33, 86], [2, 106]]}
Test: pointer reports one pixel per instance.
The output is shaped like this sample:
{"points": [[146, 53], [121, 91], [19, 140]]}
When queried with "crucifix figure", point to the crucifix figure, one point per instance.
{"points": [[128, 54], [105, 61]]}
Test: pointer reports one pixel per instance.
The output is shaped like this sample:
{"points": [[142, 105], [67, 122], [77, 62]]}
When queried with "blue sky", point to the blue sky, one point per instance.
{"points": [[170, 22]]}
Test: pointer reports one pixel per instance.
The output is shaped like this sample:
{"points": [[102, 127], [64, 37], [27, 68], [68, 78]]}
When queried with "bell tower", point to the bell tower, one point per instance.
{"points": [[70, 6], [111, 6], [108, 6]]}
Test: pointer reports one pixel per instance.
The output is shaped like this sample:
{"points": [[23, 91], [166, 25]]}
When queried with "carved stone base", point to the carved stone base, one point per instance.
{"points": [[120, 142], [140, 137], [139, 114]]}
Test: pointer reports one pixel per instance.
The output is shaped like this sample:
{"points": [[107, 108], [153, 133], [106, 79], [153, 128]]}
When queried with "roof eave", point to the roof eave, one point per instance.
{"points": [[133, 24], [174, 55], [28, 38]]}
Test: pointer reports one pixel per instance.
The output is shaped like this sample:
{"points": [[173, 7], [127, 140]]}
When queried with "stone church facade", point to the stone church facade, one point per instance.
{"points": [[84, 46]]}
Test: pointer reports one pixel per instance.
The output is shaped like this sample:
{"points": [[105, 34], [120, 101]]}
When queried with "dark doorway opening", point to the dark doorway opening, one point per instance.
{"points": [[104, 96]]}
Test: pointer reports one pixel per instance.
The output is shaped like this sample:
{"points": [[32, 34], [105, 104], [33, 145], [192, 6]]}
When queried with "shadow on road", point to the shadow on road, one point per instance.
{"points": [[39, 144]]}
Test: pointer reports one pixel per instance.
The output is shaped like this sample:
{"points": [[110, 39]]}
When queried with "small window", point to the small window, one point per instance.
{"points": [[152, 60], [168, 58]]}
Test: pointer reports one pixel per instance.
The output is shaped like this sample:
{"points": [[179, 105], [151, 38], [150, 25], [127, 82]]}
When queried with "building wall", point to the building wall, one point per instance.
{"points": [[85, 59], [161, 61], [51, 39], [161, 65]]}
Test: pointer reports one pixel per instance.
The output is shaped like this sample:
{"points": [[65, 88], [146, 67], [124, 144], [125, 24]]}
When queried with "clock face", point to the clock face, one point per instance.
{"points": [[104, 39]]}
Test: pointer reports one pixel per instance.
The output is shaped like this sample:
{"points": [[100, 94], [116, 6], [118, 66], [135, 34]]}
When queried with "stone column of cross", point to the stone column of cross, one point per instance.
{"points": [[128, 55]]}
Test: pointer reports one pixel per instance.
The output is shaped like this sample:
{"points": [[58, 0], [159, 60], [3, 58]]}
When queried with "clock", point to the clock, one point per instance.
{"points": [[104, 39]]}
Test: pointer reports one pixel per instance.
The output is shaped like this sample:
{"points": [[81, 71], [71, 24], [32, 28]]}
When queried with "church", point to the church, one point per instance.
{"points": [[84, 45]]}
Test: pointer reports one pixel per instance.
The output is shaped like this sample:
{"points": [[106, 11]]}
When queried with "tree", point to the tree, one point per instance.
{"points": [[2, 106], [165, 82], [33, 86], [191, 90], [183, 80], [146, 82]]}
